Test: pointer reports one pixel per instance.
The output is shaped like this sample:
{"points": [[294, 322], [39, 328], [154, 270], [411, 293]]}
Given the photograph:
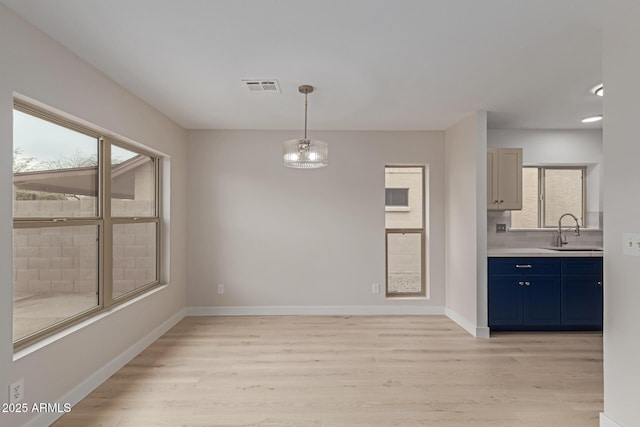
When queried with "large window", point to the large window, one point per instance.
{"points": [[549, 192], [405, 231], [86, 222]]}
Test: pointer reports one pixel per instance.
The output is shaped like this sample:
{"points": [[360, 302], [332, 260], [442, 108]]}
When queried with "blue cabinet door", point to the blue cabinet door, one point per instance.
{"points": [[505, 300], [582, 293], [582, 301], [541, 300]]}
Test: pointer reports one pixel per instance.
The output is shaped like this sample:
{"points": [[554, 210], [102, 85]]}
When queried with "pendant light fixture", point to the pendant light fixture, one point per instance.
{"points": [[305, 153]]}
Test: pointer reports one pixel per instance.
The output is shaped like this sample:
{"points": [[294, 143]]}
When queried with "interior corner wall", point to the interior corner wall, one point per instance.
{"points": [[35, 66], [621, 68], [465, 228], [294, 241]]}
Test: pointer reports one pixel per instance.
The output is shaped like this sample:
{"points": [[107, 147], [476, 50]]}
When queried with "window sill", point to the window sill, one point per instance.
{"points": [[397, 209], [405, 298], [32, 348]]}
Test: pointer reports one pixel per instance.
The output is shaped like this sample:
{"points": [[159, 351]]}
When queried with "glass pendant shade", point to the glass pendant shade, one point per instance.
{"points": [[305, 153]]}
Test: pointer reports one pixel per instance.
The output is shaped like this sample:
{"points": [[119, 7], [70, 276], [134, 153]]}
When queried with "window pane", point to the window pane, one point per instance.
{"points": [[405, 178], [55, 172], [134, 256], [404, 262], [133, 183], [55, 275], [397, 197], [528, 216], [563, 194]]}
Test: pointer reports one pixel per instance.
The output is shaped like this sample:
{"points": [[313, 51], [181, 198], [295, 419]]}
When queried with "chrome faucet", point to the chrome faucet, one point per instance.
{"points": [[563, 241]]}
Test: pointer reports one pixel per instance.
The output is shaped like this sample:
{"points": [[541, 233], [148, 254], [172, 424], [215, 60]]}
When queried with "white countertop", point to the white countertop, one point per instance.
{"points": [[539, 252]]}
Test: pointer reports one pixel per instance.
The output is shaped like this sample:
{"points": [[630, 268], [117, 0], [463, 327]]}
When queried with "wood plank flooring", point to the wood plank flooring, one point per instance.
{"points": [[350, 371]]}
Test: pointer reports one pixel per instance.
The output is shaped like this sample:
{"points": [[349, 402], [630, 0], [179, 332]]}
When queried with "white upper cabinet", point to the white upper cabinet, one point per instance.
{"points": [[504, 179]]}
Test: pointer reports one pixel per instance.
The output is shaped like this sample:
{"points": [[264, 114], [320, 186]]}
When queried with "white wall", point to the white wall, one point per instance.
{"points": [[35, 66], [466, 205], [303, 241], [621, 68]]}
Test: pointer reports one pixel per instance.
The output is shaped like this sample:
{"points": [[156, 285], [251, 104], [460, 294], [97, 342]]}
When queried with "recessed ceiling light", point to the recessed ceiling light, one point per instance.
{"points": [[598, 90], [591, 119]]}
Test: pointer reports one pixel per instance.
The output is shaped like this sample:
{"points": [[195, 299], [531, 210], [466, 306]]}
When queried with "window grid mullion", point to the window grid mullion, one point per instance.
{"points": [[541, 198], [107, 258], [158, 216]]}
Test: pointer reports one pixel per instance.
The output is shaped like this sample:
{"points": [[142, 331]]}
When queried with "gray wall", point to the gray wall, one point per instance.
{"points": [[284, 240], [621, 68], [35, 66], [466, 237]]}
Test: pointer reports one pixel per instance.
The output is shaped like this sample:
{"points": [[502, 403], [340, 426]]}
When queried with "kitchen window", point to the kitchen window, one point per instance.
{"points": [[549, 192], [86, 222]]}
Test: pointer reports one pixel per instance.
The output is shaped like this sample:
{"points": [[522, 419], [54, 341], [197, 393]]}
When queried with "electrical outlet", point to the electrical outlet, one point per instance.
{"points": [[221, 289], [631, 244], [375, 288], [501, 228], [16, 391]]}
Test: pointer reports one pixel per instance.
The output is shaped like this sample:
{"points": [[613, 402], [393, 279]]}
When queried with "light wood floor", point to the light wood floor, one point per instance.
{"points": [[350, 371]]}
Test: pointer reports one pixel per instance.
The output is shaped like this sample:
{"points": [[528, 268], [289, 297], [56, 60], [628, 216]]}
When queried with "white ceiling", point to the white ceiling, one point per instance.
{"points": [[376, 64]]}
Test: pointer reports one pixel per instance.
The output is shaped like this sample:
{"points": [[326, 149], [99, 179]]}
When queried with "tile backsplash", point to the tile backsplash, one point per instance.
{"points": [[537, 238]]}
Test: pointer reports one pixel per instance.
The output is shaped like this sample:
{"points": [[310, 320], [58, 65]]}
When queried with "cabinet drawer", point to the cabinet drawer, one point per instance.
{"points": [[582, 266], [528, 266]]}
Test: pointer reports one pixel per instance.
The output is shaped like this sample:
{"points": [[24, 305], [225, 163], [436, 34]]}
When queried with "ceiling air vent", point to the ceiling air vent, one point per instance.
{"points": [[262, 86]]}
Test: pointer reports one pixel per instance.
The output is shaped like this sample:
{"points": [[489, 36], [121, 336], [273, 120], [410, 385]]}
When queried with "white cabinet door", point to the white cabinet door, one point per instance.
{"points": [[504, 178], [492, 179]]}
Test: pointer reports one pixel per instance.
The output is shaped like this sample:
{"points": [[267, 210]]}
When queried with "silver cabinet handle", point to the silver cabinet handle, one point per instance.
{"points": [[523, 265], [527, 283], [599, 283]]}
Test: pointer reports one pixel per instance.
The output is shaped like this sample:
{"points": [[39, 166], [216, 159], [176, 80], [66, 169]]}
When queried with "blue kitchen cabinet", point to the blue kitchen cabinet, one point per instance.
{"points": [[582, 293], [524, 293], [545, 293]]}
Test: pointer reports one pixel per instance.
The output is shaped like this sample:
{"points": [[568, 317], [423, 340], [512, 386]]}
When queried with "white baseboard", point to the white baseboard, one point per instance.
{"points": [[361, 310], [101, 375], [373, 310], [607, 422], [483, 332], [476, 331]]}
